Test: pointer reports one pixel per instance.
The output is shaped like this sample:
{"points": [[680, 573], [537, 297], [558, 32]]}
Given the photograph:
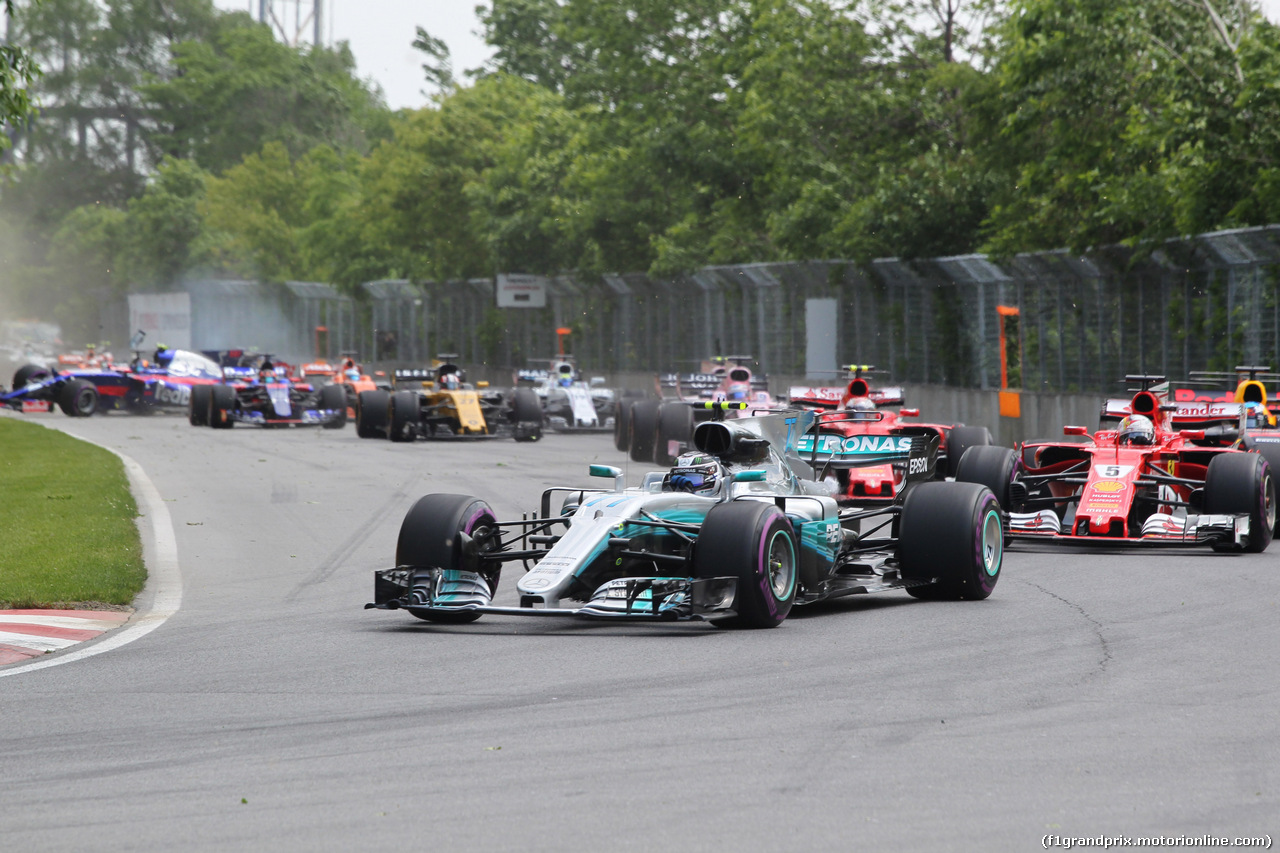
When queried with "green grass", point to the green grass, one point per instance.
{"points": [[67, 534]]}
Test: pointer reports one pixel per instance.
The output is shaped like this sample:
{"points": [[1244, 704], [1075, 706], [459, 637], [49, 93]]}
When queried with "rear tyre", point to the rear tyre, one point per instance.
{"points": [[993, 467], [1241, 483], [526, 411], [222, 399], [429, 538], [951, 532], [675, 426], [754, 542], [334, 397], [622, 424], [371, 414], [78, 398], [403, 414], [198, 405], [29, 373], [960, 439], [644, 430]]}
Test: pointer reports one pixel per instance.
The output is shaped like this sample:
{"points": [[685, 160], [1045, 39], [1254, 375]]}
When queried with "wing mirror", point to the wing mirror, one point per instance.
{"points": [[483, 383], [619, 479], [1193, 434], [909, 413], [755, 475], [1075, 430], [597, 381]]}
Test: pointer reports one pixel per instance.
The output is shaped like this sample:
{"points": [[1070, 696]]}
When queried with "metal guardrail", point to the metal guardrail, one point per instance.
{"points": [[1205, 302]]}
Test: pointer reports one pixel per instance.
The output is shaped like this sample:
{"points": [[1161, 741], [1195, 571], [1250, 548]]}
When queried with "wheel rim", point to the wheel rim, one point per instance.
{"points": [[782, 565], [85, 400], [1269, 501], [992, 543]]}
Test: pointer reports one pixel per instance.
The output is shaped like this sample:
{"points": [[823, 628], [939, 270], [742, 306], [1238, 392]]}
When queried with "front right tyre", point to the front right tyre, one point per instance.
{"points": [[950, 541]]}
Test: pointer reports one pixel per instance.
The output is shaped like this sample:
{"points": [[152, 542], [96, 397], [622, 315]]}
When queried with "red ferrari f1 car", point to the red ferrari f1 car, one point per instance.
{"points": [[857, 422], [1156, 473]]}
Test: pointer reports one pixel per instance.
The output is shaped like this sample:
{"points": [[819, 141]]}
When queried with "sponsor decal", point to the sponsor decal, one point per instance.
{"points": [[536, 583], [918, 465], [1112, 472], [1208, 410], [553, 566], [1187, 395], [35, 405], [174, 395], [856, 444], [833, 533], [1109, 486]]}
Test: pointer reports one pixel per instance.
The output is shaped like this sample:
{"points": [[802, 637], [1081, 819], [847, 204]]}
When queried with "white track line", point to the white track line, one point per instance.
{"points": [[163, 591]]}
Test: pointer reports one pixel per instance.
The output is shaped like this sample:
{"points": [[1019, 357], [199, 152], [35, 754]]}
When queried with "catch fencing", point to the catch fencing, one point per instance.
{"points": [[1045, 321]]}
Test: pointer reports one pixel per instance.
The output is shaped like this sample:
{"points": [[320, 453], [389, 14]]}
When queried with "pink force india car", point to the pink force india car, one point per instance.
{"points": [[1155, 473], [660, 429]]}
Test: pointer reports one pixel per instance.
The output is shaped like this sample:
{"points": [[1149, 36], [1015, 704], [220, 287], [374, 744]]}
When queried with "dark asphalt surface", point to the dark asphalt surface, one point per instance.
{"points": [[1133, 693]]}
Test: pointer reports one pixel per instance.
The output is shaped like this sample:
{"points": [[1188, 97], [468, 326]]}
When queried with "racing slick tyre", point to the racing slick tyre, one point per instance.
{"points": [[371, 414], [198, 405], [334, 397], [1241, 483], [644, 429], [993, 467], [29, 373], [526, 412], [959, 440], [1269, 448], [78, 398], [952, 532], [675, 427], [429, 537], [754, 542], [622, 424], [222, 399], [403, 415]]}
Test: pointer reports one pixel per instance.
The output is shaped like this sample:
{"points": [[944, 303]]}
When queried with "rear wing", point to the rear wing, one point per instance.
{"points": [[412, 374], [816, 396]]}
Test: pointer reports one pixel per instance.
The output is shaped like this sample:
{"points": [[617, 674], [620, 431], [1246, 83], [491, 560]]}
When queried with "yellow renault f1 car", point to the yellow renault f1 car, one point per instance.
{"points": [[444, 405]]}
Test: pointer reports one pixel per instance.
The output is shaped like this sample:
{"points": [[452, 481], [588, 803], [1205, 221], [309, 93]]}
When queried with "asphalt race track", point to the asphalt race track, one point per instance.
{"points": [[1092, 694]]}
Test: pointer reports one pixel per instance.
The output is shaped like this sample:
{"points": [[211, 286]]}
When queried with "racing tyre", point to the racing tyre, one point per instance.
{"points": [[29, 373], [526, 411], [993, 467], [222, 399], [371, 414], [1241, 483], [334, 397], [754, 542], [78, 398], [622, 424], [959, 440], [429, 537], [403, 414], [675, 426], [951, 532], [1268, 448], [198, 405], [644, 429]]}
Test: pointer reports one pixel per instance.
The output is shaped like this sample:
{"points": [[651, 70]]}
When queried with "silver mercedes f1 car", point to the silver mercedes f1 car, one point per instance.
{"points": [[736, 533]]}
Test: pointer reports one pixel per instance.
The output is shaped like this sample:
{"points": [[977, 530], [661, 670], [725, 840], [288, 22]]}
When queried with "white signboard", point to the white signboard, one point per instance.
{"points": [[516, 290], [165, 317]]}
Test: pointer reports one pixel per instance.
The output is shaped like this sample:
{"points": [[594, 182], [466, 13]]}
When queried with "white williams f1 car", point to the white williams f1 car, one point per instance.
{"points": [[736, 533]]}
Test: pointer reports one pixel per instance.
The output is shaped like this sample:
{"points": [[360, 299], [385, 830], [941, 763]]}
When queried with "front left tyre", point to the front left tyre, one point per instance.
{"points": [[78, 398], [1242, 483], [950, 541], [754, 542], [438, 532], [334, 397]]}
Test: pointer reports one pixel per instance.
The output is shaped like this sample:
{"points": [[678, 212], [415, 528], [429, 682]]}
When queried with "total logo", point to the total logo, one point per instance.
{"points": [[857, 444]]}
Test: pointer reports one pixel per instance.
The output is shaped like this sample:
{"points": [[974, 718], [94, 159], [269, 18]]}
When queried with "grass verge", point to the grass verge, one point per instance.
{"points": [[67, 534]]}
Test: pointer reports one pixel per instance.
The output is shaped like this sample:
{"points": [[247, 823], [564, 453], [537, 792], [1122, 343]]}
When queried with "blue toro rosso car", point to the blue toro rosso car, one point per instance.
{"points": [[141, 387], [266, 397], [736, 533]]}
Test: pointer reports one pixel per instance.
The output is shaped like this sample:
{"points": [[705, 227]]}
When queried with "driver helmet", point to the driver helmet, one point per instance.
{"points": [[1136, 430], [450, 381], [738, 392], [352, 373], [565, 381], [861, 404], [696, 473], [267, 371], [163, 355], [1255, 415]]}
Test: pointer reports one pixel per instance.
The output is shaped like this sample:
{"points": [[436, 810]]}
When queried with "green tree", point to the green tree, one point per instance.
{"points": [[18, 71]]}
